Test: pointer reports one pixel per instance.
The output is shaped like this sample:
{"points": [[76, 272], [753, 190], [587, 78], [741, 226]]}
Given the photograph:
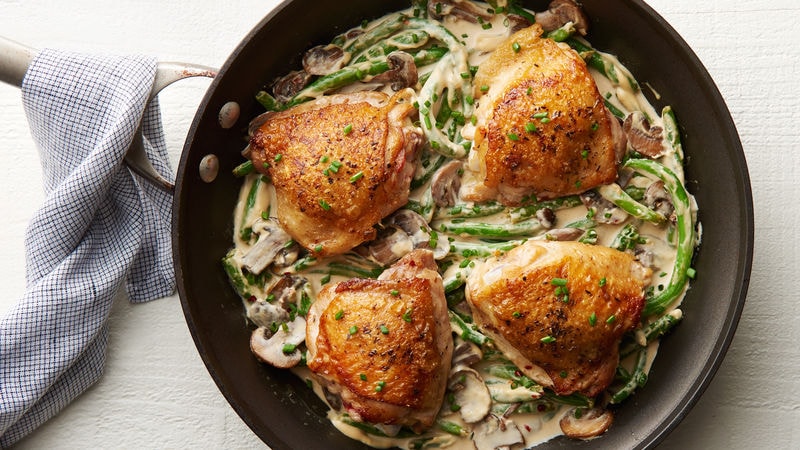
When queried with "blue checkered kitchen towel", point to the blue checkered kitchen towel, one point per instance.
{"points": [[100, 228]]}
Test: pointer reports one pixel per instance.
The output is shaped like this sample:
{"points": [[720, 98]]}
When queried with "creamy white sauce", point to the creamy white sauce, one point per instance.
{"points": [[536, 427]]}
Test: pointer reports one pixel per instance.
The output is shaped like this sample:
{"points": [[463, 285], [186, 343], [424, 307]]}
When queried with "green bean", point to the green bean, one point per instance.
{"points": [[470, 210], [402, 41], [349, 270], [482, 249], [267, 101], [672, 131], [235, 275], [613, 193], [627, 238], [526, 211], [601, 62], [637, 379], [578, 400], [380, 31], [614, 110], [491, 230], [653, 331], [427, 169], [684, 226], [563, 33], [512, 373], [245, 168], [451, 428], [246, 232], [468, 332]]}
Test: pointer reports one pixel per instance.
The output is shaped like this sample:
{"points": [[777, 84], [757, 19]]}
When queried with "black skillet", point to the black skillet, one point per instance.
{"points": [[279, 408]]}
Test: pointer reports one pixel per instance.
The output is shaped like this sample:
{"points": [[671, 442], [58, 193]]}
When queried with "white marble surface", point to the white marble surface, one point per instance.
{"points": [[156, 392]]}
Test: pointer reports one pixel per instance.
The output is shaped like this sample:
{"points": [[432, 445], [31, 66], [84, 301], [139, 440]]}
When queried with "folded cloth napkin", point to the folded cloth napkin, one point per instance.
{"points": [[100, 228]]}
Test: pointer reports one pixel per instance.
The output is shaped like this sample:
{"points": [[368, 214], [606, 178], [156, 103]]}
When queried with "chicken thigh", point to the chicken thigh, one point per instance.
{"points": [[542, 127], [339, 164], [384, 346], [558, 310]]}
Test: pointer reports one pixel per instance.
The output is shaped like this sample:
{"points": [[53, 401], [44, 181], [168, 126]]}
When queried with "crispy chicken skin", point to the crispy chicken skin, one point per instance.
{"points": [[542, 126], [346, 161], [384, 346], [569, 344]]}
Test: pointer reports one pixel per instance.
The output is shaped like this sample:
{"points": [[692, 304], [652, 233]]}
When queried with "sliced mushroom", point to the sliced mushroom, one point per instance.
{"points": [[465, 353], [561, 12], [402, 71], [470, 394], [564, 234], [642, 137], [618, 136], [546, 217], [603, 210], [582, 423], [468, 11], [288, 289], [289, 85], [257, 121], [517, 22], [280, 349], [391, 244], [658, 199], [323, 59], [421, 234], [446, 183], [265, 314], [496, 433], [271, 240]]}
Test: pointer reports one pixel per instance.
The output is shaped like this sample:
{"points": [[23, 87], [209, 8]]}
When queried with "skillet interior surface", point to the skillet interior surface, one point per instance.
{"points": [[279, 408]]}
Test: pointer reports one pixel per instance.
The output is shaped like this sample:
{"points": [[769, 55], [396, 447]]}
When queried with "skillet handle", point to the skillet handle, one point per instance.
{"points": [[14, 61]]}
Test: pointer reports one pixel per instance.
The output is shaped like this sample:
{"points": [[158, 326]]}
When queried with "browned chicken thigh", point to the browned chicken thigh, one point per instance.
{"points": [[542, 126], [558, 310], [384, 346], [339, 165]]}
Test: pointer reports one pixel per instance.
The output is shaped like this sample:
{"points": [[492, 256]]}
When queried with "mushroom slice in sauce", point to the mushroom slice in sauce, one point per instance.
{"points": [[604, 210], [581, 423], [642, 137], [271, 240], [562, 12], [402, 71], [390, 245], [280, 349], [324, 59], [265, 314], [468, 11], [446, 183], [657, 198], [421, 234], [289, 85], [496, 433], [564, 234], [470, 394]]}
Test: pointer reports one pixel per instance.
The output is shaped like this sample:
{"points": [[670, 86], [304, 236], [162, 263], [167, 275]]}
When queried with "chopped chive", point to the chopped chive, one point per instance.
{"points": [[602, 282], [264, 215], [540, 115], [266, 165], [558, 282], [547, 340], [407, 315], [278, 157], [484, 88], [318, 248], [271, 297], [394, 292], [384, 329], [353, 330], [593, 319], [325, 279], [356, 177], [595, 126], [585, 154], [324, 159], [691, 272], [289, 348], [379, 386], [563, 374], [363, 376], [324, 205], [515, 46], [513, 136], [339, 314], [578, 184], [516, 314], [465, 75], [469, 99], [530, 127], [611, 319]]}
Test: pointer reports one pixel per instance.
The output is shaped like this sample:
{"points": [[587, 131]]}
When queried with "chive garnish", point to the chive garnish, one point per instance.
{"points": [[324, 205], [547, 340], [356, 177]]}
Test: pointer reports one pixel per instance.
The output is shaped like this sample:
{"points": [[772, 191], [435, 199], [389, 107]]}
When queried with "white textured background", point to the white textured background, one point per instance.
{"points": [[156, 392]]}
